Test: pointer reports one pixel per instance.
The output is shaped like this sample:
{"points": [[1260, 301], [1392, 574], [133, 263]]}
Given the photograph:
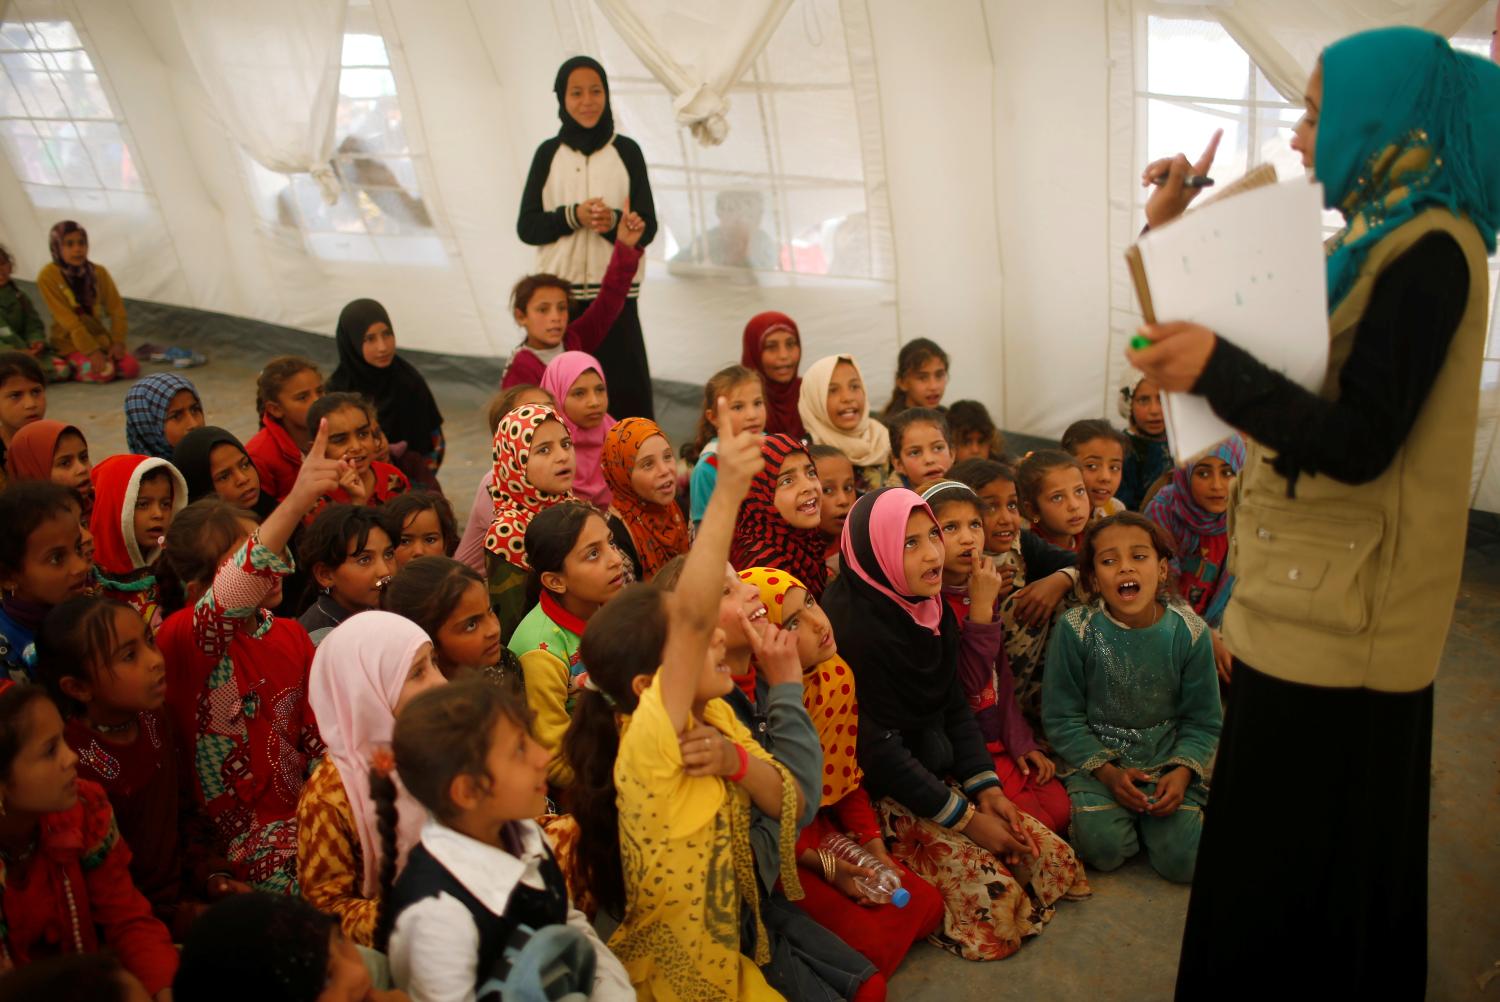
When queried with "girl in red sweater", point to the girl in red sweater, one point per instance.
{"points": [[237, 675], [541, 305], [284, 390], [97, 659], [64, 869]]}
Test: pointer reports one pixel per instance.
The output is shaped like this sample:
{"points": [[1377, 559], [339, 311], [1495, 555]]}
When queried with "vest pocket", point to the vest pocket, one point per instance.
{"points": [[1292, 564]]}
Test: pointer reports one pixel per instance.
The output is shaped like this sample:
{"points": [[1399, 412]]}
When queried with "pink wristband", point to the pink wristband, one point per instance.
{"points": [[739, 773]]}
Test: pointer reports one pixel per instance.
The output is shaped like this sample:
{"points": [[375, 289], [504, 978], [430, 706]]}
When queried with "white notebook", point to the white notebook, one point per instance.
{"points": [[1251, 268]]}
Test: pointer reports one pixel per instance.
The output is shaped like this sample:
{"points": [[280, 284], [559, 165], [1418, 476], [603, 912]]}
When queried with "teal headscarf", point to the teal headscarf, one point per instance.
{"points": [[1407, 123]]}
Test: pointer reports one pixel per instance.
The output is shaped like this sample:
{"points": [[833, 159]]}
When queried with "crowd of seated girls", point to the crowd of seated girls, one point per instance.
{"points": [[273, 711]]}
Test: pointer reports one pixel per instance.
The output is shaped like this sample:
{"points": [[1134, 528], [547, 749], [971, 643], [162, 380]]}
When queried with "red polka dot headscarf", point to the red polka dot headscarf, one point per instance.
{"points": [[517, 501], [827, 693]]}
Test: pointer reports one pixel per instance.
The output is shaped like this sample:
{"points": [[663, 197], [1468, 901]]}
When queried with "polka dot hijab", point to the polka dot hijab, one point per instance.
{"points": [[827, 693], [517, 500]]}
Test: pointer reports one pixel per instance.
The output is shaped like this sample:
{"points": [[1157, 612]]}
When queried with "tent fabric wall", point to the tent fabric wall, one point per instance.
{"points": [[999, 149]]}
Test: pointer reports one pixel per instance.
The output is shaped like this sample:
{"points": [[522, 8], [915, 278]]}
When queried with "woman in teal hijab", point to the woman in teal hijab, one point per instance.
{"points": [[1348, 543]]}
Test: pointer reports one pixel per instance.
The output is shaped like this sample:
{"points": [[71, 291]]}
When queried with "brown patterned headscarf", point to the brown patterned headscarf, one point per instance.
{"points": [[80, 278]]}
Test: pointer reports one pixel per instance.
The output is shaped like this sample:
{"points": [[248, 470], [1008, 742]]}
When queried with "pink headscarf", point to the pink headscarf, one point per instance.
{"points": [[881, 518], [558, 378], [353, 686]]}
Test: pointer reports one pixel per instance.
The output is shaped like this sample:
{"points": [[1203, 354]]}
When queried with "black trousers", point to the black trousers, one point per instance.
{"points": [[627, 373], [1312, 872]]}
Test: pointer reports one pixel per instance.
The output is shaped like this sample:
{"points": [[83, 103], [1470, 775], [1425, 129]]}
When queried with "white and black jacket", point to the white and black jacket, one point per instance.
{"points": [[560, 179]]}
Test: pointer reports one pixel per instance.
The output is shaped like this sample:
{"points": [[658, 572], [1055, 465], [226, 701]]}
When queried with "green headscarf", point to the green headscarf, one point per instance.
{"points": [[1407, 123]]}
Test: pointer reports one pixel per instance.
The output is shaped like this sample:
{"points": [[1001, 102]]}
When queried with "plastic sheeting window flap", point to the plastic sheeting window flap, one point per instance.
{"points": [[271, 71], [697, 56]]}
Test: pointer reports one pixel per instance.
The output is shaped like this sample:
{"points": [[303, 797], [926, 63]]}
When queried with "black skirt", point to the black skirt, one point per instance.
{"points": [[1312, 872], [627, 373]]}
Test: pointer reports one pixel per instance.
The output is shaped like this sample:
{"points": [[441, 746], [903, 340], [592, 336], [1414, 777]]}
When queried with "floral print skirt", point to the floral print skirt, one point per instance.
{"points": [[988, 908]]}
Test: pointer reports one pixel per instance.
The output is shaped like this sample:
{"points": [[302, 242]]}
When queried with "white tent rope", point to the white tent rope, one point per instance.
{"points": [[699, 94]]}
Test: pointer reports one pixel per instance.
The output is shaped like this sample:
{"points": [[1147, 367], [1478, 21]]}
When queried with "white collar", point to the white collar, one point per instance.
{"points": [[489, 873]]}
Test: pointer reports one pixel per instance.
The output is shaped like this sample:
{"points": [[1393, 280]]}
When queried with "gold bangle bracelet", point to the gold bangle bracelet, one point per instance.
{"points": [[830, 864], [963, 822]]}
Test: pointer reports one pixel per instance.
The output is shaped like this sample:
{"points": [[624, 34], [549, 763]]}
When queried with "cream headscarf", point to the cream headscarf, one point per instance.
{"points": [[869, 444]]}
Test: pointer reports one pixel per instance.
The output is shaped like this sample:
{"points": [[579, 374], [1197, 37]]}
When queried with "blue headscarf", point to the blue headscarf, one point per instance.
{"points": [[1407, 123], [146, 406]]}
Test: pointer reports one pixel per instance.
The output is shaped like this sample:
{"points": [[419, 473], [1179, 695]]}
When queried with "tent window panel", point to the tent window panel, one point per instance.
{"points": [[1198, 79], [1188, 56], [786, 190], [381, 215], [59, 127]]}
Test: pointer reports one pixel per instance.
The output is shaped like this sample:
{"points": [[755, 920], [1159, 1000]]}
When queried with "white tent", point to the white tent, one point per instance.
{"points": [[964, 170]]}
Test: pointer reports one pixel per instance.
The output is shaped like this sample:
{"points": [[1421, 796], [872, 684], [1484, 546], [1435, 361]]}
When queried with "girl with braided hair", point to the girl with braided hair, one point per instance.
{"points": [[366, 670]]}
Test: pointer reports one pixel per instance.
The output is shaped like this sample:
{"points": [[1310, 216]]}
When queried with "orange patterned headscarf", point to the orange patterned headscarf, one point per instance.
{"points": [[660, 532], [827, 693]]}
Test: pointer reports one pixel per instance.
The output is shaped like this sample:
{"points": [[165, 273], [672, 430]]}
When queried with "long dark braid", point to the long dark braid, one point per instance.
{"points": [[383, 793]]}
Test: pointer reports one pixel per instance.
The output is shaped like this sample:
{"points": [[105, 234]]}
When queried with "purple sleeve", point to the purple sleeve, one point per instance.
{"points": [[589, 330], [978, 645], [525, 369], [471, 547]]}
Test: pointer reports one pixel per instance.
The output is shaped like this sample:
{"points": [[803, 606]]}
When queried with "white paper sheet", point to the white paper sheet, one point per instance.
{"points": [[1250, 268]]}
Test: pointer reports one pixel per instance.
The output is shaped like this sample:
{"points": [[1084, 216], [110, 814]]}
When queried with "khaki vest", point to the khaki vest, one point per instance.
{"points": [[1353, 585]]}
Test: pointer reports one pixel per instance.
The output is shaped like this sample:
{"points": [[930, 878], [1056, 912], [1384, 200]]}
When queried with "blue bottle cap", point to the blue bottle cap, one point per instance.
{"points": [[900, 896]]}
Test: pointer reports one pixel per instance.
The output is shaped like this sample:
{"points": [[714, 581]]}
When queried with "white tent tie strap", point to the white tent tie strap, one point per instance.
{"points": [[697, 56]]}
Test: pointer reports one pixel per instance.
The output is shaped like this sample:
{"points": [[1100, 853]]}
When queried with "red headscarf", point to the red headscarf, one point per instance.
{"points": [[31, 450], [782, 417], [762, 538]]}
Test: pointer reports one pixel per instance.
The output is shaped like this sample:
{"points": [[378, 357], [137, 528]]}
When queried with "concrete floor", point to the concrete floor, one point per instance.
{"points": [[1122, 943]]}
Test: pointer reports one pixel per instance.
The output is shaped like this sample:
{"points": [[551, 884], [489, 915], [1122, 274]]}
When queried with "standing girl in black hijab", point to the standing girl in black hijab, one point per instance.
{"points": [[584, 183], [404, 406]]}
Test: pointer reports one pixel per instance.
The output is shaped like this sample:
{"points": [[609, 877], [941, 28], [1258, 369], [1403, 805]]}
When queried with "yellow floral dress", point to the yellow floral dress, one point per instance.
{"points": [[685, 843]]}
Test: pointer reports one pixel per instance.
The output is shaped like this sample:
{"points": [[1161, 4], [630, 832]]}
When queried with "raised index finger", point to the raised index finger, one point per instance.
{"points": [[1207, 159], [723, 424], [319, 447]]}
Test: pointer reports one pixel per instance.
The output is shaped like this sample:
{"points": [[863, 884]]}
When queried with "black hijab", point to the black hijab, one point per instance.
{"points": [[904, 671], [191, 457], [402, 400], [583, 140]]}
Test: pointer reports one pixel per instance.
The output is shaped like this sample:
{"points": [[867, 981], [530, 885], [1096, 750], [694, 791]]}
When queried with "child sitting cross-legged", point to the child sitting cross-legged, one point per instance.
{"points": [[1130, 702], [973, 585]]}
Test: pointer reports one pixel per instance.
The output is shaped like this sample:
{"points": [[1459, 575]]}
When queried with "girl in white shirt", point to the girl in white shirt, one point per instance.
{"points": [[482, 883]]}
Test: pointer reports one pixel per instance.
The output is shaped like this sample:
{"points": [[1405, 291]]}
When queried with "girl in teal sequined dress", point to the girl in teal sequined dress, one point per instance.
{"points": [[1130, 702]]}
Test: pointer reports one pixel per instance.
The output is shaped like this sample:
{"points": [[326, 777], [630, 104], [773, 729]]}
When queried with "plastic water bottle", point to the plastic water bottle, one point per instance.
{"points": [[883, 885]]}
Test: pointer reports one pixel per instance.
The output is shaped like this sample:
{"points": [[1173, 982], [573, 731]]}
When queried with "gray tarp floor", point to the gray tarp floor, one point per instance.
{"points": [[1122, 943]]}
